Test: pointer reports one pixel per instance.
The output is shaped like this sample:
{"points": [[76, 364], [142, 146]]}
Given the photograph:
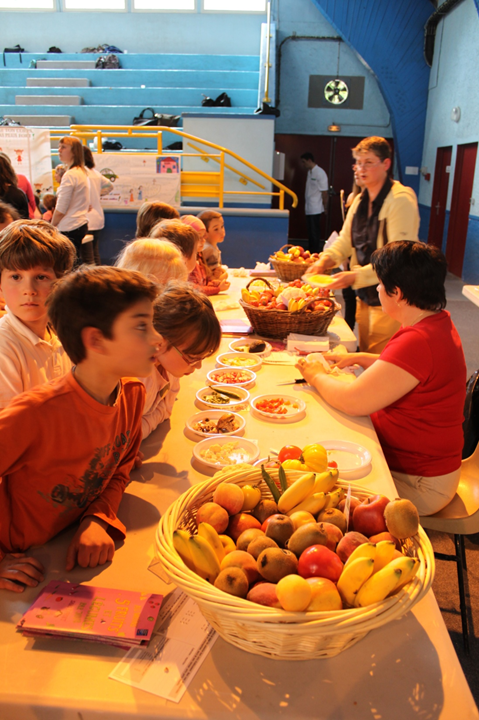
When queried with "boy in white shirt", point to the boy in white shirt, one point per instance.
{"points": [[33, 255]]}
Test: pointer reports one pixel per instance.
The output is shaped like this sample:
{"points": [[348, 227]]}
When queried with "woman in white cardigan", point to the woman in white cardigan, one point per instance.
{"points": [[73, 196]]}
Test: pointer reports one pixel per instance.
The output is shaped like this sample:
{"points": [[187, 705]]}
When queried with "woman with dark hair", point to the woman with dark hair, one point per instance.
{"points": [[73, 195], [414, 390], [10, 193]]}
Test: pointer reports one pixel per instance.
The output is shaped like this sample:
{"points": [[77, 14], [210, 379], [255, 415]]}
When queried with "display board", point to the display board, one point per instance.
{"points": [[138, 178], [30, 153]]}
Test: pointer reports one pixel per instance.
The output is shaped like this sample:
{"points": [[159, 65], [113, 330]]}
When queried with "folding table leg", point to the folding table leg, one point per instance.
{"points": [[460, 553]]}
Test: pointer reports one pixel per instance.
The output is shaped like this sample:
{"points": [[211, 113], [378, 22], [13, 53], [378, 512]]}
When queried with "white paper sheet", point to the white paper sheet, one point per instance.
{"points": [[179, 644]]}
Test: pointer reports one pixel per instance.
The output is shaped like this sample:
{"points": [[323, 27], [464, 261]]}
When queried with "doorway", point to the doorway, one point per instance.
{"points": [[460, 206], [333, 154], [439, 196]]}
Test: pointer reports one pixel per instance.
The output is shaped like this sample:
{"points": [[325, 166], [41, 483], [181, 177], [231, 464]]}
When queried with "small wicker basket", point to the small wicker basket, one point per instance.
{"points": [[277, 324], [268, 631], [287, 270]]}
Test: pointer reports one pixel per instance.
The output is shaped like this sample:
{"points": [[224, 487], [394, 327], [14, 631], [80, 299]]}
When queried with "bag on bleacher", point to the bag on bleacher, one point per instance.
{"points": [[108, 62], [156, 119], [17, 49], [8, 121], [222, 100]]}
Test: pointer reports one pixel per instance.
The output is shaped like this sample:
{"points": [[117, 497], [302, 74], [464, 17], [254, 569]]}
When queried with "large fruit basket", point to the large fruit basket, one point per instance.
{"points": [[277, 324], [287, 270], [268, 631]]}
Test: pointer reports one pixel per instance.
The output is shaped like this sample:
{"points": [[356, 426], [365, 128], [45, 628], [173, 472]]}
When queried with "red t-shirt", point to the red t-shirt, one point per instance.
{"points": [[63, 456], [421, 434]]}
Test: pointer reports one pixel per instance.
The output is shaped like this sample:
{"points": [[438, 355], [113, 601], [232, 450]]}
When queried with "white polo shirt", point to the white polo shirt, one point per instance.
{"points": [[25, 360], [316, 183]]}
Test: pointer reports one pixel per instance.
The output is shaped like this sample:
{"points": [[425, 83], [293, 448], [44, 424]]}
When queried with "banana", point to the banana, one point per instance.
{"points": [[301, 303], [292, 305], [182, 547], [365, 550], [208, 532], [296, 493], [204, 558], [353, 578], [384, 554], [334, 498], [228, 544], [378, 586], [409, 567], [313, 504], [325, 481]]}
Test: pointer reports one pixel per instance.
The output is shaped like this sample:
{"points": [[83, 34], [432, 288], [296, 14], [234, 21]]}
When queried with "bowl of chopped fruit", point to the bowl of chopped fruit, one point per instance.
{"points": [[241, 360], [232, 376], [215, 422]]}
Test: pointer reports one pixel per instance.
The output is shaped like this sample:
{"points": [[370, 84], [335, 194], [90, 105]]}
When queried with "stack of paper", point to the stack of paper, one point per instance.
{"points": [[307, 343]]}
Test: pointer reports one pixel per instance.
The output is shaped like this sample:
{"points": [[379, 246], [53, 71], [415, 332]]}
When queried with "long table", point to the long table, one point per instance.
{"points": [[406, 669]]}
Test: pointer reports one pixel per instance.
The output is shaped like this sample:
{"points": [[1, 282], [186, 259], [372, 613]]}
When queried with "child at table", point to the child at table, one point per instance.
{"points": [[33, 254], [67, 447], [158, 258], [49, 201], [201, 276], [215, 234], [180, 235], [190, 332], [151, 213]]}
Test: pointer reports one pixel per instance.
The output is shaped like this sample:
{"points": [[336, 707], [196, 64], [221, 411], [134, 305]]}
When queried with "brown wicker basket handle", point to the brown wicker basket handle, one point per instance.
{"points": [[281, 248], [266, 282]]}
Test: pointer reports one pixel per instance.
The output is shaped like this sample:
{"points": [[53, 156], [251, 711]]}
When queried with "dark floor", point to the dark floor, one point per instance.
{"points": [[465, 316]]}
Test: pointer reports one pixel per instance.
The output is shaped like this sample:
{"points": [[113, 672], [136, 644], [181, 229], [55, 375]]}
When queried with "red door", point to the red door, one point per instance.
{"points": [[460, 206], [439, 196]]}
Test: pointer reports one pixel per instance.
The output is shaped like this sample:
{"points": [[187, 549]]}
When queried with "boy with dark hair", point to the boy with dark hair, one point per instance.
{"points": [[181, 235], [67, 447], [33, 255]]}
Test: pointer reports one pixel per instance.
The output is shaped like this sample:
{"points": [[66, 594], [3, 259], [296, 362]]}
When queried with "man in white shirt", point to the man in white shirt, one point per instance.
{"points": [[316, 201]]}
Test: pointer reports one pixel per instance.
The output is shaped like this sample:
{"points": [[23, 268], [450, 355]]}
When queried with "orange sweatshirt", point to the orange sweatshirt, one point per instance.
{"points": [[64, 456]]}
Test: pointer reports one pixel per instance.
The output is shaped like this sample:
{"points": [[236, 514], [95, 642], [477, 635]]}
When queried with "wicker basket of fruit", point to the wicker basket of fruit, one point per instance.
{"points": [[263, 618], [297, 308], [293, 263]]}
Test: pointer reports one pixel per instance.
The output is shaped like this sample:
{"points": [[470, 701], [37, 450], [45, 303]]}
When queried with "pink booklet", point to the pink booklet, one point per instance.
{"points": [[124, 618]]}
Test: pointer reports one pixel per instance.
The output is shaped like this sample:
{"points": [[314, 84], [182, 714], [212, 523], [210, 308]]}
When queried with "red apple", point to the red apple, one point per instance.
{"points": [[320, 561], [368, 517], [241, 522]]}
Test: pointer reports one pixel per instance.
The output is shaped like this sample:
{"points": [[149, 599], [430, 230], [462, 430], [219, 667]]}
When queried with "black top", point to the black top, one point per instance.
{"points": [[17, 199], [364, 236]]}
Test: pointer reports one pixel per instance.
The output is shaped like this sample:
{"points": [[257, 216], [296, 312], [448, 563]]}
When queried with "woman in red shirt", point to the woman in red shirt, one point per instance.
{"points": [[415, 389]]}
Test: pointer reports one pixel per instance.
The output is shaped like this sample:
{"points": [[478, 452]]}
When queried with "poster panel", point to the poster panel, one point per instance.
{"points": [[30, 154], [138, 178]]}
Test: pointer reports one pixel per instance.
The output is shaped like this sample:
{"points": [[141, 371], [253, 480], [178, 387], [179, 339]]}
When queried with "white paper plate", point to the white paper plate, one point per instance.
{"points": [[296, 408], [214, 377], [246, 341], [314, 283], [246, 451], [214, 415], [254, 367], [354, 461], [226, 407]]}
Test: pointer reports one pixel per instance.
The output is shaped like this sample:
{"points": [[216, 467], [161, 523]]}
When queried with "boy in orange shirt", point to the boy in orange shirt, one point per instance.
{"points": [[67, 447]]}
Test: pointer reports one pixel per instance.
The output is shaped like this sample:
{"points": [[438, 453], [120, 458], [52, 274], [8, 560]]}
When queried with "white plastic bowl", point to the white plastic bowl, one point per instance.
{"points": [[258, 362], [226, 407], [214, 377], [214, 415], [246, 450], [246, 342]]}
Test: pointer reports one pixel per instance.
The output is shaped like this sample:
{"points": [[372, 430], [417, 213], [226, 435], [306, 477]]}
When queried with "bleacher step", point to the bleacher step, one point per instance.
{"points": [[48, 100], [58, 82], [66, 64], [43, 120]]}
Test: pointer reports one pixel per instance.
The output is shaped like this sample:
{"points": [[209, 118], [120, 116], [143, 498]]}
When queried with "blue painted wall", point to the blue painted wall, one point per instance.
{"points": [[389, 37], [302, 58], [209, 33], [456, 58]]}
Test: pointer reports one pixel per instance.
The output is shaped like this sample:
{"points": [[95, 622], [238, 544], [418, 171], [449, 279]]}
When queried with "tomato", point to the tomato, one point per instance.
{"points": [[289, 452], [333, 464]]}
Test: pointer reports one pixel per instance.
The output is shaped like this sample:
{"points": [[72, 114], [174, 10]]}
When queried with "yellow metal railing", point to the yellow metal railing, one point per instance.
{"points": [[193, 183]]}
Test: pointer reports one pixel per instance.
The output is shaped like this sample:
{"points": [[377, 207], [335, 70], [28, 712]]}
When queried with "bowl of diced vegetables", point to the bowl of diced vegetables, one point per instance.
{"points": [[241, 360], [239, 377], [221, 397]]}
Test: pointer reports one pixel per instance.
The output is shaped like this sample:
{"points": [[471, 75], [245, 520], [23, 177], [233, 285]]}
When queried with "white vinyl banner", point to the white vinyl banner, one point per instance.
{"points": [[30, 154]]}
